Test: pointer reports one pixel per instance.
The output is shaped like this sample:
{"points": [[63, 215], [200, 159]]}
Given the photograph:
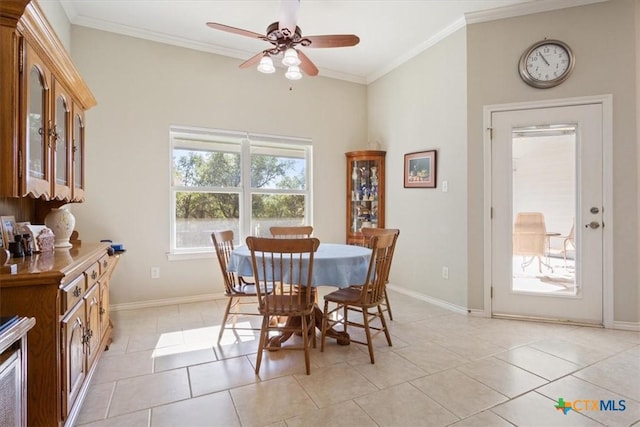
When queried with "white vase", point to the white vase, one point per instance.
{"points": [[62, 222]]}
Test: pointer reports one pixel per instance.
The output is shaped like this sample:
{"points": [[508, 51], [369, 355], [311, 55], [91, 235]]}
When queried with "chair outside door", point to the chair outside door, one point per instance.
{"points": [[530, 238]]}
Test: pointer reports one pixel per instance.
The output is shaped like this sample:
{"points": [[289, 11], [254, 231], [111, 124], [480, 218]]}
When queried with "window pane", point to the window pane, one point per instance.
{"points": [[276, 209], [198, 214], [204, 168], [278, 172]]}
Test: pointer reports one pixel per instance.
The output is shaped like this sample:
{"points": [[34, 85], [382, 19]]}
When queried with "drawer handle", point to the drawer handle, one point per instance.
{"points": [[77, 291], [104, 263], [102, 311], [94, 274]]}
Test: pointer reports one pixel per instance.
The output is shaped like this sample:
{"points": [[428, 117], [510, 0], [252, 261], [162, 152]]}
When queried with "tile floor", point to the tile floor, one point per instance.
{"points": [[164, 368]]}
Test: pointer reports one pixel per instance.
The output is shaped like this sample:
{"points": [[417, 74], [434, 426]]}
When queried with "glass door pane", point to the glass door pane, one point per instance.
{"points": [[544, 209], [78, 133], [35, 135], [61, 152]]}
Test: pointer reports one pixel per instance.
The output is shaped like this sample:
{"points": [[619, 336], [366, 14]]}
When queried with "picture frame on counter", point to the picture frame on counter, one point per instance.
{"points": [[8, 226]]}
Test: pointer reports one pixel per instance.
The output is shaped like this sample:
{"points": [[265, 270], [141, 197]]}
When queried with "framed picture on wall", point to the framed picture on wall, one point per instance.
{"points": [[420, 169], [8, 225]]}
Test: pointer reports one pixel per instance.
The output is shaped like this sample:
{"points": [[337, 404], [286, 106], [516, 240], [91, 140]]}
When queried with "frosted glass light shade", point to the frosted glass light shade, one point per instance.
{"points": [[290, 58], [266, 65], [293, 73]]}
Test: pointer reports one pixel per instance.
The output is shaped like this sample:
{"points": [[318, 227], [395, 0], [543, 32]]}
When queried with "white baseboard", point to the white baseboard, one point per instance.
{"points": [[163, 302], [627, 326], [435, 301]]}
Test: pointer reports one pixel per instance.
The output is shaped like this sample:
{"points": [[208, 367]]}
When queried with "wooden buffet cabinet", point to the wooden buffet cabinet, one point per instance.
{"points": [[67, 292], [365, 192]]}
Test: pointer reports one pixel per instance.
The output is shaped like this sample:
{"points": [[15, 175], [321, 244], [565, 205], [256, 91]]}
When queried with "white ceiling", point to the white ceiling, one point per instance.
{"points": [[390, 32]]}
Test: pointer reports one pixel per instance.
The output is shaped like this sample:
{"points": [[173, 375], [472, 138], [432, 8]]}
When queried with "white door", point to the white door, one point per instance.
{"points": [[547, 207]]}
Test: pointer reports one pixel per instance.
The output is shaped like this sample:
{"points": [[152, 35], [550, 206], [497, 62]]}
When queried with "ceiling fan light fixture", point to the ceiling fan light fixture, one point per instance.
{"points": [[293, 73], [290, 58], [266, 65]]}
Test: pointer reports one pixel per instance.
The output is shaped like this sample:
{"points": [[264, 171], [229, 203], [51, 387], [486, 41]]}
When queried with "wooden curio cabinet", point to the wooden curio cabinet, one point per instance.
{"points": [[365, 192], [44, 99]]}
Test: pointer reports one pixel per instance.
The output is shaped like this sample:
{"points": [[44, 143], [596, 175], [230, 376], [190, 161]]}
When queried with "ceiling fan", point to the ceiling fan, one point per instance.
{"points": [[285, 36]]}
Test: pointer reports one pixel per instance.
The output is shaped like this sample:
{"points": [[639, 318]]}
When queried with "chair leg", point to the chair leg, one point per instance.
{"points": [[305, 343], [323, 334], [384, 325], [262, 342], [224, 318], [365, 318], [386, 301]]}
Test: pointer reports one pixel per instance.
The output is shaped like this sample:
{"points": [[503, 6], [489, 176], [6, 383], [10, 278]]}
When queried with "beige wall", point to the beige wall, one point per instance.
{"points": [[602, 37], [422, 106], [144, 87], [433, 101]]}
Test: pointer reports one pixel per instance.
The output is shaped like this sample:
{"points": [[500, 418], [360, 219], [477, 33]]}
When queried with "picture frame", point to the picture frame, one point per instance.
{"points": [[8, 225], [420, 169]]}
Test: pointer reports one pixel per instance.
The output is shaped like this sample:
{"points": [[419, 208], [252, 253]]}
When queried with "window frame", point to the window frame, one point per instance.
{"points": [[202, 138]]}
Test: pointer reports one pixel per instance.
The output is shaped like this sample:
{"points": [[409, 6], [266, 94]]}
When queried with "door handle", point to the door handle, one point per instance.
{"points": [[593, 225]]}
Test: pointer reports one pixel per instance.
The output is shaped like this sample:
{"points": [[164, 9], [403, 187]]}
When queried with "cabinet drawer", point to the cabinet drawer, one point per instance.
{"points": [[105, 262], [72, 293], [92, 273]]}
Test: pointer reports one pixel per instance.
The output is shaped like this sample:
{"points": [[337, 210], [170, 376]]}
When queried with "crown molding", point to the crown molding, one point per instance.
{"points": [[186, 43], [478, 17], [524, 9], [441, 35], [469, 18]]}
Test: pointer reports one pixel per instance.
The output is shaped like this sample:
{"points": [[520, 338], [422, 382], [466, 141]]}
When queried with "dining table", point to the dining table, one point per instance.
{"points": [[334, 264]]}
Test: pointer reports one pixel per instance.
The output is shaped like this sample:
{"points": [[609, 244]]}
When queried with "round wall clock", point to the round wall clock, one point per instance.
{"points": [[546, 64]]}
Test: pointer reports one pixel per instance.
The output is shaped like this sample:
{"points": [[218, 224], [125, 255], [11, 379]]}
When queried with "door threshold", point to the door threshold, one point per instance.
{"points": [[545, 320]]}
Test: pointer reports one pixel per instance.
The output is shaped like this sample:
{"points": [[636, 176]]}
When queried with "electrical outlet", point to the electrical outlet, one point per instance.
{"points": [[445, 186], [155, 272], [445, 272]]}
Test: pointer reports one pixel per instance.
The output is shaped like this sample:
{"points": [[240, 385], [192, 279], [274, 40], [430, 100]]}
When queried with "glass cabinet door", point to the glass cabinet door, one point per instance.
{"points": [[36, 179], [61, 144], [365, 192]]}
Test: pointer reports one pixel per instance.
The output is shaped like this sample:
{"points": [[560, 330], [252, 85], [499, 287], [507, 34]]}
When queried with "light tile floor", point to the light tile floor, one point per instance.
{"points": [[165, 368]]}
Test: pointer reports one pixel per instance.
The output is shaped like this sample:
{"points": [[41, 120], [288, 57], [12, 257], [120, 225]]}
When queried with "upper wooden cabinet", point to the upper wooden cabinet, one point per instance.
{"points": [[365, 192], [43, 131]]}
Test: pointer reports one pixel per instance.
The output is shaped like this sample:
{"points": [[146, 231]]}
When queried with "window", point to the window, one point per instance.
{"points": [[238, 181]]}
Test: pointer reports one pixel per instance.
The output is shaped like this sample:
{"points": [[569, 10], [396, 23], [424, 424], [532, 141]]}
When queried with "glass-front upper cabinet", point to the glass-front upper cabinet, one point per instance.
{"points": [[36, 180], [365, 192], [77, 156], [61, 144]]}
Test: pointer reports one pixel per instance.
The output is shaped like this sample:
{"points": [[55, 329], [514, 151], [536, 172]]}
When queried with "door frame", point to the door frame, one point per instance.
{"points": [[606, 101]]}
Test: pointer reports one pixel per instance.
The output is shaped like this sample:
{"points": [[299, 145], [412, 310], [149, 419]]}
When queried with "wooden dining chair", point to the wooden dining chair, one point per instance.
{"points": [[366, 299], [237, 291], [292, 232], [367, 233], [283, 270]]}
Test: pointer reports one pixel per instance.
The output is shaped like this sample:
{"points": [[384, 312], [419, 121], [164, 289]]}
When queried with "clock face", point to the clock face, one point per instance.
{"points": [[546, 64]]}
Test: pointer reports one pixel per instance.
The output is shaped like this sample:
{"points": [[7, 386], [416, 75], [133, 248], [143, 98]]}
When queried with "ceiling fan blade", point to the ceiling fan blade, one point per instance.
{"points": [[252, 61], [288, 16], [306, 65], [234, 30], [335, 40]]}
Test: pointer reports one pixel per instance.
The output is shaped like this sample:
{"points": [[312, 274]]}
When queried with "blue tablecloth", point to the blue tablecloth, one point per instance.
{"points": [[333, 264]]}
